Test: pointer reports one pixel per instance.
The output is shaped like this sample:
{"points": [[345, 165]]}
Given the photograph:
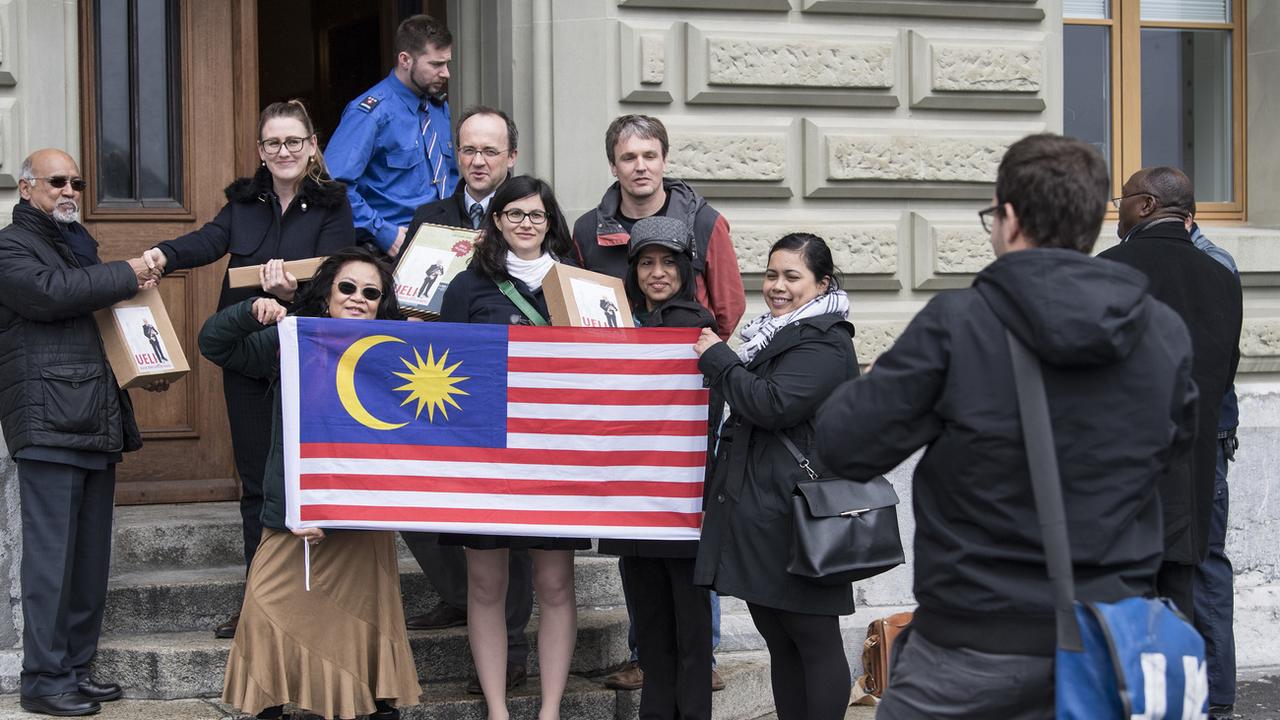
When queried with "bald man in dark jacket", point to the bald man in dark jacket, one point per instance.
{"points": [[1155, 209]]}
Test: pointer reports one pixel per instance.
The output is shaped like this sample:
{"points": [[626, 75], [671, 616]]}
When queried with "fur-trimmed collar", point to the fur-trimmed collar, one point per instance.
{"points": [[252, 189]]}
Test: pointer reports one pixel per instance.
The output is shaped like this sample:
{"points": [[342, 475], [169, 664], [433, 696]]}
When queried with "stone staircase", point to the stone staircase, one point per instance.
{"points": [[177, 573]]}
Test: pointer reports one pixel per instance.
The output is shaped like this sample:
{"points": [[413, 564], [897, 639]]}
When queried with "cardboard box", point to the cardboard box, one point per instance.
{"points": [[581, 298], [247, 276], [140, 342], [427, 264]]}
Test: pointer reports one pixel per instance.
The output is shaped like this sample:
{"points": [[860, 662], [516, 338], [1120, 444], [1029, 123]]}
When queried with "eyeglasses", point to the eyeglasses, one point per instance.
{"points": [[515, 217], [372, 294], [60, 181], [986, 215], [292, 144], [1115, 201], [488, 153]]}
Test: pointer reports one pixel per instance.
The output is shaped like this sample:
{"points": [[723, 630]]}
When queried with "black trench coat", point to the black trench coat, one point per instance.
{"points": [[746, 526]]}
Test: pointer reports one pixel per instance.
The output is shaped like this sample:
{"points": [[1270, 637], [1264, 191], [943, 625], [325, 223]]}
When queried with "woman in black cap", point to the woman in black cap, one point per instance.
{"points": [[671, 616]]}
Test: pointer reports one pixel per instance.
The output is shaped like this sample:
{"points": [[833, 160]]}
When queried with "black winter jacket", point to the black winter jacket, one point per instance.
{"points": [[56, 388], [1206, 296], [472, 297], [233, 339], [1117, 367], [746, 525], [450, 211], [251, 228], [676, 313]]}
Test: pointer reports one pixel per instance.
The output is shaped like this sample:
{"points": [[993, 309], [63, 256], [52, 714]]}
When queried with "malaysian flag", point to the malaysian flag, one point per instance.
{"points": [[495, 429]]}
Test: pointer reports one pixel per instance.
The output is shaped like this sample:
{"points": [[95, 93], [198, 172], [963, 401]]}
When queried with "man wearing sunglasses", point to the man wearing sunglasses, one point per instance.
{"points": [[1156, 208], [66, 423]]}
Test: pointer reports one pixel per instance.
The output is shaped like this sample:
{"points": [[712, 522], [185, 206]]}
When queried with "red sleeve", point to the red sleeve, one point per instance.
{"points": [[725, 296]]}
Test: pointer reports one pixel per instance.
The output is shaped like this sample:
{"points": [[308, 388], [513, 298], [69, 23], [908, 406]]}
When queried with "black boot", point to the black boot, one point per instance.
{"points": [[385, 711]]}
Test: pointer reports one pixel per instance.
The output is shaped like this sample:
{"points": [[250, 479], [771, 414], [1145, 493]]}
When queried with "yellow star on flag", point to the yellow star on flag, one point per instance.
{"points": [[431, 383]]}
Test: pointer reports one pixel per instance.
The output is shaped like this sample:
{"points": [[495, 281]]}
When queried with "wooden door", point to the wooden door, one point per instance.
{"points": [[154, 177]]}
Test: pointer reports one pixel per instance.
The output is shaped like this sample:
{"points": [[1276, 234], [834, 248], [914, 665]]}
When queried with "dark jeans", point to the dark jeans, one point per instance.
{"points": [[672, 622], [250, 407], [1215, 593], [66, 557], [807, 663], [446, 569], [928, 682]]}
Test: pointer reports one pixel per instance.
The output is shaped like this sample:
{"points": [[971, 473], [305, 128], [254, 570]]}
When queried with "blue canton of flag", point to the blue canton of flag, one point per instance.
{"points": [[378, 381]]}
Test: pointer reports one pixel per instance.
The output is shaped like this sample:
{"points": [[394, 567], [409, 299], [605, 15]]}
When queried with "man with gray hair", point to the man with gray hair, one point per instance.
{"points": [[66, 423]]}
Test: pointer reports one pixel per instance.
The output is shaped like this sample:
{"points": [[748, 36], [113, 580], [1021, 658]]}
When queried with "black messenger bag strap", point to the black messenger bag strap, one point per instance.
{"points": [[1046, 484], [801, 460]]}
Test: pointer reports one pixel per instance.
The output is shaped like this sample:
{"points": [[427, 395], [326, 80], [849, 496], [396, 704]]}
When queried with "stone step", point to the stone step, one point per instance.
{"points": [[192, 599], [747, 696], [156, 537], [165, 666], [185, 536]]}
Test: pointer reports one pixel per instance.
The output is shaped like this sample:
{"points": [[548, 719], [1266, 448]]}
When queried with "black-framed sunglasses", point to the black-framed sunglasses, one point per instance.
{"points": [[985, 216], [346, 287], [60, 181], [516, 216], [1115, 201], [272, 146]]}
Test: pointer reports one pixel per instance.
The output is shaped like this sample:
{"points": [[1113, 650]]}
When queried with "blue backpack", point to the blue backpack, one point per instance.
{"points": [[1136, 659]]}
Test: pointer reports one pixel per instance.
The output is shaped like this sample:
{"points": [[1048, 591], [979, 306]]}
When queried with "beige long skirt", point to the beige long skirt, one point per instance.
{"points": [[331, 651]]}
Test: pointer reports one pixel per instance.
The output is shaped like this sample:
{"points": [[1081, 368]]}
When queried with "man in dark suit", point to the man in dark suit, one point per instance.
{"points": [[66, 423], [486, 145], [486, 150], [1156, 207]]}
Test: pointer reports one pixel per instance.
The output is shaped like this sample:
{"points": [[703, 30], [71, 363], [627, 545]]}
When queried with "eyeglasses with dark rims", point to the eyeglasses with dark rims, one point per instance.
{"points": [[272, 145], [346, 287], [985, 216], [516, 216]]}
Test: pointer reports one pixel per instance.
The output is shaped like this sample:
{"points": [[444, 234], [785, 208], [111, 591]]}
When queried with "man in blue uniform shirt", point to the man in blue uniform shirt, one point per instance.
{"points": [[393, 147]]}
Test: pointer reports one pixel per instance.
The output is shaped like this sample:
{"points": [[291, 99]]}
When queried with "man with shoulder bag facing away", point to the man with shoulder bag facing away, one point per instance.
{"points": [[1117, 372]]}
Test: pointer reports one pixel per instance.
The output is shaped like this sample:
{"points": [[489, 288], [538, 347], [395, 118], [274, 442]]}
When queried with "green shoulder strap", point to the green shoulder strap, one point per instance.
{"points": [[514, 296]]}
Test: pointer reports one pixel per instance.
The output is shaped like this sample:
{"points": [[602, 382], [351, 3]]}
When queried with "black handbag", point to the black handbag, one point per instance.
{"points": [[842, 530]]}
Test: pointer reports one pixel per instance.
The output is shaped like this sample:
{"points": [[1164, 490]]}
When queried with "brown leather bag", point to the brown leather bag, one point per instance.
{"points": [[876, 650]]}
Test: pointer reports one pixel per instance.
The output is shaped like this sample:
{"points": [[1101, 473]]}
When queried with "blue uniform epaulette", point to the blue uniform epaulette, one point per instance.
{"points": [[369, 103]]}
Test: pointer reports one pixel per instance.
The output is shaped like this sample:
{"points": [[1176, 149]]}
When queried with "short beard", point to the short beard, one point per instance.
{"points": [[66, 216]]}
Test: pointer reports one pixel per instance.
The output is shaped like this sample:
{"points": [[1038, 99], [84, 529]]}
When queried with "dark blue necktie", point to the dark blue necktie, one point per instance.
{"points": [[476, 211]]}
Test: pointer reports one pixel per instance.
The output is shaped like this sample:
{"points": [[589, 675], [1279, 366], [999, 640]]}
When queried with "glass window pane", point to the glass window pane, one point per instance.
{"points": [[1187, 10], [155, 115], [1186, 107], [1086, 52], [1090, 9], [115, 134]]}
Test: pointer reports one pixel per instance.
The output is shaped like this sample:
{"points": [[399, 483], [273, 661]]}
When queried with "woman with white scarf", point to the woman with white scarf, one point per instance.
{"points": [[521, 239], [790, 360]]}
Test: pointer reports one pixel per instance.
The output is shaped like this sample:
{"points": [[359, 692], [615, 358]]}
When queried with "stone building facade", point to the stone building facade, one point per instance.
{"points": [[877, 124]]}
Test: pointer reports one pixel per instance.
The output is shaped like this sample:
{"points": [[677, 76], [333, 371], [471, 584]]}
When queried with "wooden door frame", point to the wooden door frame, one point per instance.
{"points": [[244, 78]]}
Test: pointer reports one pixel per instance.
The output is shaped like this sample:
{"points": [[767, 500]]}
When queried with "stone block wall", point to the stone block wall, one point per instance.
{"points": [[879, 124]]}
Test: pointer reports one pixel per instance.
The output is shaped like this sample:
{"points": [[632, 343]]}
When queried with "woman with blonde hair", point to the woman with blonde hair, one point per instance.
{"points": [[289, 210]]}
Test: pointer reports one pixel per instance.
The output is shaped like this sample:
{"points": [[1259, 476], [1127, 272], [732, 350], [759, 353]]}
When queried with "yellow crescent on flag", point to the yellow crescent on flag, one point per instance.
{"points": [[346, 382]]}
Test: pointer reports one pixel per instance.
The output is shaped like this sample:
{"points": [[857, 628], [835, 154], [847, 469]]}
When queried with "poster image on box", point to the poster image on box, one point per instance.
{"points": [[427, 266], [146, 344], [598, 304]]}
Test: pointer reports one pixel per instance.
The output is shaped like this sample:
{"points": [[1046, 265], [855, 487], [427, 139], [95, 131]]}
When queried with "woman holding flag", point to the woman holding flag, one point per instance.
{"points": [[339, 648], [671, 616], [790, 360], [523, 236]]}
